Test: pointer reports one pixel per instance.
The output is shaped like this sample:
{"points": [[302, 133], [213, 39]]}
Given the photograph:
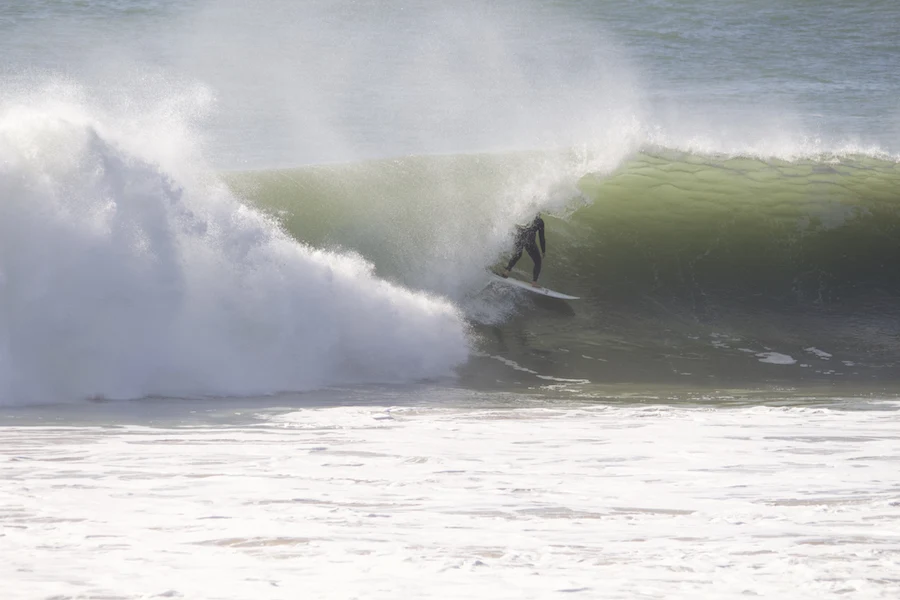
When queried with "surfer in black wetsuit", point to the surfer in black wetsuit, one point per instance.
{"points": [[525, 240]]}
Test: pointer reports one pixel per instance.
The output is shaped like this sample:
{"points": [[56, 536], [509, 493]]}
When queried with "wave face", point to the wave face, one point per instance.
{"points": [[128, 269], [805, 233], [692, 267]]}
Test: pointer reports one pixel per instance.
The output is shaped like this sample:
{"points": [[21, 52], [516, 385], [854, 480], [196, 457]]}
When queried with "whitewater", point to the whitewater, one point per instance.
{"points": [[123, 279], [249, 346], [442, 501]]}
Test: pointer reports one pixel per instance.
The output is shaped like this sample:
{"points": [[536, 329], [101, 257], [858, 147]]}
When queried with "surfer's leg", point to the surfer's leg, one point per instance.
{"points": [[535, 255], [515, 258]]}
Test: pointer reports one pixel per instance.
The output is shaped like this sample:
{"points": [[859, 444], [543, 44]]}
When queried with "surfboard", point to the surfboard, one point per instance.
{"points": [[534, 290]]}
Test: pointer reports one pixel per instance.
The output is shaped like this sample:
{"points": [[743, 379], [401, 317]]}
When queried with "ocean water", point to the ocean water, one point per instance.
{"points": [[248, 345]]}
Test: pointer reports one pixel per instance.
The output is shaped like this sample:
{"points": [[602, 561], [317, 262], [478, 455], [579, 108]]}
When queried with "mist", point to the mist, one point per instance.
{"points": [[292, 83], [311, 82]]}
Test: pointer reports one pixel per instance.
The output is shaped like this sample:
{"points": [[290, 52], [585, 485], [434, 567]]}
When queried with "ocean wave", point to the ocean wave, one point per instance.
{"points": [[812, 228], [690, 266]]}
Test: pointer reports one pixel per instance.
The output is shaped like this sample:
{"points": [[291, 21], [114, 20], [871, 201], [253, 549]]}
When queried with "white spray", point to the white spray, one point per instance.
{"points": [[128, 270]]}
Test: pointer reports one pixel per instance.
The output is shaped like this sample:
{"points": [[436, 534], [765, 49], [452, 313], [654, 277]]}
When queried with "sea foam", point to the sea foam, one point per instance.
{"points": [[127, 269]]}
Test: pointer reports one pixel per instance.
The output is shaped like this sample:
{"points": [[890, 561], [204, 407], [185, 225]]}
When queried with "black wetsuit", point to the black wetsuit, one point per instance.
{"points": [[525, 240]]}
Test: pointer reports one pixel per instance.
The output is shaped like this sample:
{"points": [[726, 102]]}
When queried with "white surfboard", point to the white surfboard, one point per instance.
{"points": [[534, 290]]}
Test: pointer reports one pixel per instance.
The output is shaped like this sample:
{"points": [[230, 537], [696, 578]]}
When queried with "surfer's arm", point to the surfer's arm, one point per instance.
{"points": [[541, 235]]}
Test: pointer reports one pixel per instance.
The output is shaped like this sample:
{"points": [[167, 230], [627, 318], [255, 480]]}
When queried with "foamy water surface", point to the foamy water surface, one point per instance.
{"points": [[527, 501]]}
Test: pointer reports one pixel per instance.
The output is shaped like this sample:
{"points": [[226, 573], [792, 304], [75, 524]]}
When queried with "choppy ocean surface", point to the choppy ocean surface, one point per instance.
{"points": [[248, 344]]}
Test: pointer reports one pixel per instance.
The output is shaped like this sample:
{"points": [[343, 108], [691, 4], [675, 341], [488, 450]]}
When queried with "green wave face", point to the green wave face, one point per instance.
{"points": [[690, 267], [432, 223], [806, 232]]}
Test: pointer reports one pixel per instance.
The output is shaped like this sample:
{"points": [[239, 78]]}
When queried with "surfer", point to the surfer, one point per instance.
{"points": [[525, 240]]}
